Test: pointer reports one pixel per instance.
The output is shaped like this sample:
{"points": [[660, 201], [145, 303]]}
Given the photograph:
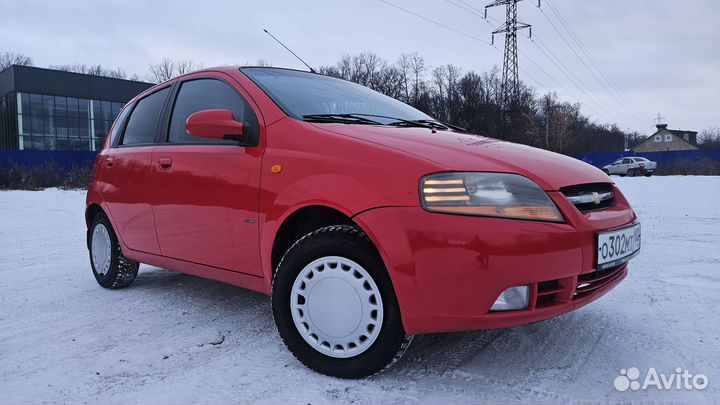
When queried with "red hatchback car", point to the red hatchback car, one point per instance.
{"points": [[366, 220]]}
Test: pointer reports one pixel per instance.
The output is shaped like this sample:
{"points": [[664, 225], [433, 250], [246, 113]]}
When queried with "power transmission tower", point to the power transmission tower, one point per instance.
{"points": [[510, 90]]}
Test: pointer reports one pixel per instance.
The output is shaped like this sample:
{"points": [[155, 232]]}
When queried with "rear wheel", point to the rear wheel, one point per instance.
{"points": [[648, 174], [110, 267], [334, 304]]}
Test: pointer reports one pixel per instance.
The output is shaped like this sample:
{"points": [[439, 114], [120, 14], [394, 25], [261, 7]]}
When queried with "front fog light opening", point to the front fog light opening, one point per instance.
{"points": [[512, 299]]}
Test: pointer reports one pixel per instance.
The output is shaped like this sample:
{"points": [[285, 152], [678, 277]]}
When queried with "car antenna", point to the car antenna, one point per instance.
{"points": [[295, 55]]}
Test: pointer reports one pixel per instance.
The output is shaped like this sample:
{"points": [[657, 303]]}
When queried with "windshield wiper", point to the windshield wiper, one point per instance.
{"points": [[431, 124], [399, 121], [339, 118], [444, 125], [358, 118]]}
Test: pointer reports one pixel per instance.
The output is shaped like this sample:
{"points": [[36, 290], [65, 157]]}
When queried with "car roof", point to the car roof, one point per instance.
{"points": [[223, 69]]}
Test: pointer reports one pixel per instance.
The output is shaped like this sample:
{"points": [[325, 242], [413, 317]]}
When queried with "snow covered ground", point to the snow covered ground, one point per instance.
{"points": [[172, 338]]}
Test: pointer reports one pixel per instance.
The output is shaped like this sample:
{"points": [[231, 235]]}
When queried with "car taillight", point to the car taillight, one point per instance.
{"points": [[642, 165]]}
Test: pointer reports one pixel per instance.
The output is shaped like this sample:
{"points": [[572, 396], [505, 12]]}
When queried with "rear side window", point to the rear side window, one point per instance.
{"points": [[143, 121], [119, 123], [210, 94]]}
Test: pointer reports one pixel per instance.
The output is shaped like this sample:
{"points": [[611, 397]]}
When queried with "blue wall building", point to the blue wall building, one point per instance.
{"points": [[51, 110]]}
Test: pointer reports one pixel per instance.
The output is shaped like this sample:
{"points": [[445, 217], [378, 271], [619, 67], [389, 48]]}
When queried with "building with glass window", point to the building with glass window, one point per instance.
{"points": [[44, 109]]}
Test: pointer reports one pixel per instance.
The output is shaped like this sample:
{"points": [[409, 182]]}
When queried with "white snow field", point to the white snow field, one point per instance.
{"points": [[173, 338]]}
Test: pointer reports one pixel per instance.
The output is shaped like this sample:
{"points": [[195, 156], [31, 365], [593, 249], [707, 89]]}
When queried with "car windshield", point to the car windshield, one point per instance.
{"points": [[310, 96]]}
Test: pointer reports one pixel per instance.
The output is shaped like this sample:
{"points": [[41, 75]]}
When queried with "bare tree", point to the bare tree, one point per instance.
{"points": [[186, 66], [445, 79], [418, 68], [162, 71], [710, 138], [168, 69], [8, 59], [412, 69]]}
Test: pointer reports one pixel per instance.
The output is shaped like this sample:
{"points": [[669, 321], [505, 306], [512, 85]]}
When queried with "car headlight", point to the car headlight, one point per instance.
{"points": [[487, 194]]}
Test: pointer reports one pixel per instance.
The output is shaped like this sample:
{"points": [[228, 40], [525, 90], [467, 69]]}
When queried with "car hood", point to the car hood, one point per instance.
{"points": [[466, 152]]}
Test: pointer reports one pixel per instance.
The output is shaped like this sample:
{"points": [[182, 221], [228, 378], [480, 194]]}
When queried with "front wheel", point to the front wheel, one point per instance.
{"points": [[110, 267], [334, 304]]}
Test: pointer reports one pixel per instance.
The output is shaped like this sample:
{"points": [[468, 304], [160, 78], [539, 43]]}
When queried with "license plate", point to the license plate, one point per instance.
{"points": [[617, 247]]}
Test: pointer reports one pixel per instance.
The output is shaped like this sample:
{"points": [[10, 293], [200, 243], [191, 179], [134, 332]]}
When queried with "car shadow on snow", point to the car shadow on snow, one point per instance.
{"points": [[247, 315]]}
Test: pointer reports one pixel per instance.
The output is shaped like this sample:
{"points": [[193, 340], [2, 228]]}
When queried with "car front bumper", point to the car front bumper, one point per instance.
{"points": [[448, 270]]}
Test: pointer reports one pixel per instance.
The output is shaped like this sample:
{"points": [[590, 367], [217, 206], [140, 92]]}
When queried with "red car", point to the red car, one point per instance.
{"points": [[366, 220]]}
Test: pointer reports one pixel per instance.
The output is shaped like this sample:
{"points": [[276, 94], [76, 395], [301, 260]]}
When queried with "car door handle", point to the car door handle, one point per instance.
{"points": [[109, 161], [165, 163]]}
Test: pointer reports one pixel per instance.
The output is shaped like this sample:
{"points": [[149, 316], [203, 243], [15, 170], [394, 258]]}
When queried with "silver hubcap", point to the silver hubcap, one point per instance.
{"points": [[336, 307], [100, 249]]}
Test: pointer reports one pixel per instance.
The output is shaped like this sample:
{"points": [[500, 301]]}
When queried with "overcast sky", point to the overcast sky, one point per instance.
{"points": [[663, 56]]}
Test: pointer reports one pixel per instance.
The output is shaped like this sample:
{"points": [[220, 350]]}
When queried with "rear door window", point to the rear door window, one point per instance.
{"points": [[210, 94], [119, 123], [142, 124]]}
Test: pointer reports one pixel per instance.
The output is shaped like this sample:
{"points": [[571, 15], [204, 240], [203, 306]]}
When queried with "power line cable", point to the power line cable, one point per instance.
{"points": [[468, 9], [567, 72], [572, 94], [562, 36], [592, 60], [435, 22]]}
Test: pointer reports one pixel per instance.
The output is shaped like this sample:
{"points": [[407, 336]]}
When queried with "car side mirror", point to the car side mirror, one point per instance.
{"points": [[215, 124]]}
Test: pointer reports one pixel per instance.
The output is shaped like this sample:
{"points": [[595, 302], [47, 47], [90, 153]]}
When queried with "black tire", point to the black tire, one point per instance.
{"points": [[352, 243], [631, 173], [606, 171], [122, 271], [648, 174]]}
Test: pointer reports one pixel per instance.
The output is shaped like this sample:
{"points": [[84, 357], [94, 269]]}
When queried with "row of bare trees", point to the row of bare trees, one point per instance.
{"points": [[8, 59], [157, 73]]}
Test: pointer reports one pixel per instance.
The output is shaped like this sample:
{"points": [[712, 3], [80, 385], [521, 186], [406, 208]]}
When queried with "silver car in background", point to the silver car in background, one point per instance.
{"points": [[631, 166]]}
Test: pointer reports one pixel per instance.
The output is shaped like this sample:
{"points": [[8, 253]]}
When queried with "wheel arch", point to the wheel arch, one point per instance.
{"points": [[90, 212], [301, 222]]}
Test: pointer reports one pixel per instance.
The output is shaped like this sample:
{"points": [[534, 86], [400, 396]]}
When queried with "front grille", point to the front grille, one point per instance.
{"points": [[587, 283], [547, 293], [590, 197], [545, 286], [560, 291]]}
